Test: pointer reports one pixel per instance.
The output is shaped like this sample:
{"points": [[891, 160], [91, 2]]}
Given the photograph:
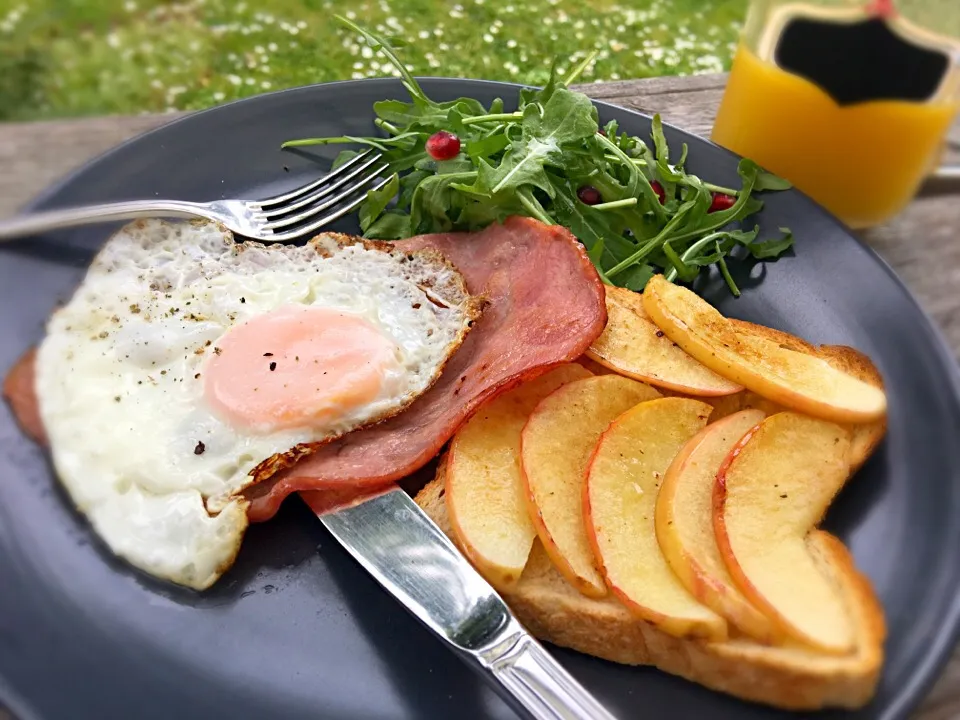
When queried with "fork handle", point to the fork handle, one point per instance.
{"points": [[41, 222]]}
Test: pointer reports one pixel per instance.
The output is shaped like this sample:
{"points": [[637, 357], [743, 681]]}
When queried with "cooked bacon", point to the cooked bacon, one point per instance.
{"points": [[19, 392], [545, 306]]}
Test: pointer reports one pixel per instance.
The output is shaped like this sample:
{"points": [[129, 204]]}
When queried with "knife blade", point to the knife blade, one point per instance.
{"points": [[397, 543]]}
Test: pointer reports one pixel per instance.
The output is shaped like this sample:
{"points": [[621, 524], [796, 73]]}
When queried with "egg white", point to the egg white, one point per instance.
{"points": [[119, 376]]}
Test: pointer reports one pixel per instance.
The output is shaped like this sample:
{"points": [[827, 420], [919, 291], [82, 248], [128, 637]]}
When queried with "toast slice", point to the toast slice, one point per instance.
{"points": [[786, 677]]}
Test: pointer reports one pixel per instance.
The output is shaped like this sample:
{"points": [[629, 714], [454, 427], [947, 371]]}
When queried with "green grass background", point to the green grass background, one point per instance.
{"points": [[62, 58]]}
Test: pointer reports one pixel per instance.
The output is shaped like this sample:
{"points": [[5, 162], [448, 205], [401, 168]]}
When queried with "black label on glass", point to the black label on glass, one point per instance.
{"points": [[857, 62]]}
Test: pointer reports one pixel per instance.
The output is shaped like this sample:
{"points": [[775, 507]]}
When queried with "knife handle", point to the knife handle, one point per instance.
{"points": [[397, 543], [539, 686]]}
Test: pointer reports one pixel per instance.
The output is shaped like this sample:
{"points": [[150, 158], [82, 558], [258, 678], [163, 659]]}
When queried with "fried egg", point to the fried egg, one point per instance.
{"points": [[187, 366]]}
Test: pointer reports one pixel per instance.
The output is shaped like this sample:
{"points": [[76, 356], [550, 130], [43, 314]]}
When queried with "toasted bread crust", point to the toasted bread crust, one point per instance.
{"points": [[785, 677], [865, 436]]}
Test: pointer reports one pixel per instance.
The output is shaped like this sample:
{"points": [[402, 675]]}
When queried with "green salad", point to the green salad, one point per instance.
{"points": [[460, 166]]}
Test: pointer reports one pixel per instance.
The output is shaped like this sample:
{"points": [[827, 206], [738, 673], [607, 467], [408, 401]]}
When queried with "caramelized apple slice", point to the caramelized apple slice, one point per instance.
{"points": [[633, 346], [485, 492], [555, 446], [684, 524], [781, 338], [620, 501], [772, 489], [794, 379]]}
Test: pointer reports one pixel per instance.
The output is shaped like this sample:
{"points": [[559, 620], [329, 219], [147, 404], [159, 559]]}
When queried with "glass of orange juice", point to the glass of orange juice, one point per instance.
{"points": [[850, 101]]}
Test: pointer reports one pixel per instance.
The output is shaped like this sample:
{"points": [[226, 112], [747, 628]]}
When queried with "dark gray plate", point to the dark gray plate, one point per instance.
{"points": [[296, 629]]}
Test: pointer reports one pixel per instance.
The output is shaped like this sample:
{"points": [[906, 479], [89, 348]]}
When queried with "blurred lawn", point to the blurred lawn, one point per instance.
{"points": [[82, 57]]}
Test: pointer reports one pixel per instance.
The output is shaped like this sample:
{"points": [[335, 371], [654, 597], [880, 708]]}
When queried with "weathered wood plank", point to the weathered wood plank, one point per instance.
{"points": [[921, 244], [33, 155], [690, 103]]}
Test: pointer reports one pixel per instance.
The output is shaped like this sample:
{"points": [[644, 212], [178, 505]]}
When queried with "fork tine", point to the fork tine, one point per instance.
{"points": [[313, 209], [276, 199], [280, 210], [326, 219]]}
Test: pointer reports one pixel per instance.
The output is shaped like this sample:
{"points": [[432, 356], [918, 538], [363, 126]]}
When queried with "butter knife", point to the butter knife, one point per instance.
{"points": [[397, 543]]}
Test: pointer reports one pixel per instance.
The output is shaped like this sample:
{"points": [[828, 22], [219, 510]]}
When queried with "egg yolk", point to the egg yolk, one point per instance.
{"points": [[296, 366]]}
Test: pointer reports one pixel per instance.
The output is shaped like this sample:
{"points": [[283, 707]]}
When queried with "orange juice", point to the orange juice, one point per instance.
{"points": [[863, 162]]}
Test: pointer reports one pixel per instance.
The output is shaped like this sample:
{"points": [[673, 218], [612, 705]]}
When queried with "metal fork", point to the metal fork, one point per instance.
{"points": [[280, 218]]}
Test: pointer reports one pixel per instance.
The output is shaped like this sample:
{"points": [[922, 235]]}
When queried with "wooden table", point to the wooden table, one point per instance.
{"points": [[922, 244]]}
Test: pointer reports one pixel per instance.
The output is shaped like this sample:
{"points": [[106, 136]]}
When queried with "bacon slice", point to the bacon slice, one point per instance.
{"points": [[545, 306], [19, 392]]}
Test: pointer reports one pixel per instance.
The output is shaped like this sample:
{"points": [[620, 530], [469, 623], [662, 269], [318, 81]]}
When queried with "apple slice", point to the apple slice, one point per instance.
{"points": [[797, 380], [593, 366], [484, 489], [772, 489], [864, 437], [780, 337], [684, 524], [620, 498], [633, 346], [554, 449]]}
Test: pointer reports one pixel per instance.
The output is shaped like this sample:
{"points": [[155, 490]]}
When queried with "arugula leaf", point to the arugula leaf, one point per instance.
{"points": [[457, 165], [638, 276], [398, 112], [535, 161], [488, 146], [663, 151], [481, 214], [685, 272], [534, 96], [589, 228], [702, 199], [435, 202], [637, 185], [405, 141], [409, 183], [343, 157], [579, 69], [381, 44], [752, 207], [533, 206], [392, 225], [728, 278], [566, 117], [377, 201], [595, 253], [521, 165], [768, 181], [772, 248], [747, 169]]}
